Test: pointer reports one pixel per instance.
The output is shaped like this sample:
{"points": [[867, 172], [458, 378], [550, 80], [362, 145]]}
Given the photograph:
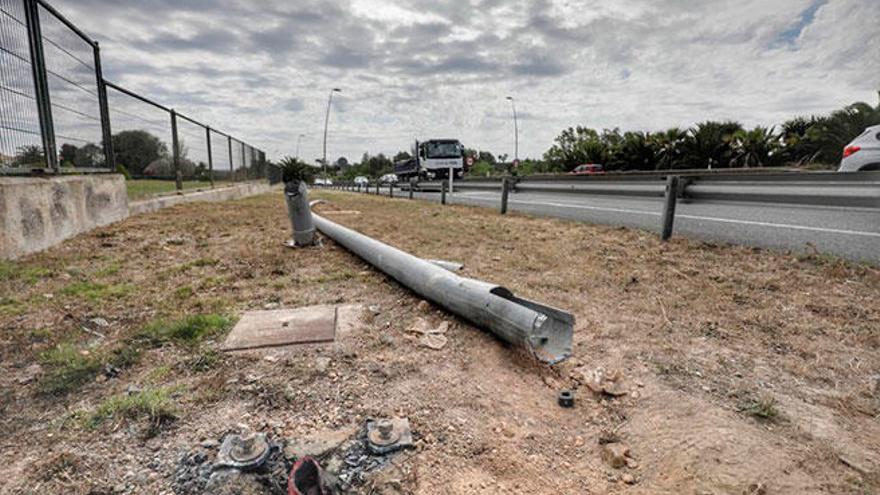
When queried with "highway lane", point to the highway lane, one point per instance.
{"points": [[852, 233]]}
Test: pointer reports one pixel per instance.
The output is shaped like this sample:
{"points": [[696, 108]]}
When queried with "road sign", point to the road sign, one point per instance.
{"points": [[515, 163]]}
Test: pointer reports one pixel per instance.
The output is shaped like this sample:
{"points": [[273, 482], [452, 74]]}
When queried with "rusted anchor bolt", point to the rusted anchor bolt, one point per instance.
{"points": [[385, 427]]}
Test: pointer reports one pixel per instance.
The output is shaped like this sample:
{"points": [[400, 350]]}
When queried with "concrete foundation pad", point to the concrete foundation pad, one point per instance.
{"points": [[283, 327]]}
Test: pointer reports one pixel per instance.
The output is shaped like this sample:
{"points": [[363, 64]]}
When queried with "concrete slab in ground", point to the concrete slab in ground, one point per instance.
{"points": [[283, 327]]}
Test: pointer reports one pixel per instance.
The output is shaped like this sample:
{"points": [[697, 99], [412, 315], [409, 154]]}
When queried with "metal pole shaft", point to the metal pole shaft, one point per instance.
{"points": [[505, 186], [443, 192], [412, 185], [515, 133], [178, 176], [41, 84], [296, 194], [326, 123], [390, 189], [231, 165], [669, 206], [544, 331]]}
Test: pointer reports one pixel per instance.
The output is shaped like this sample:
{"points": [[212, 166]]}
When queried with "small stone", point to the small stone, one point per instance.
{"points": [[321, 364], [271, 305], [628, 478], [375, 309], [210, 443], [133, 389], [99, 322], [614, 454], [423, 306], [30, 374]]}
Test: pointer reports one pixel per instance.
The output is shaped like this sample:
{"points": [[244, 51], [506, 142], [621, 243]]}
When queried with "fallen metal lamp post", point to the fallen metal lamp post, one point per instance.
{"points": [[296, 193], [544, 331]]}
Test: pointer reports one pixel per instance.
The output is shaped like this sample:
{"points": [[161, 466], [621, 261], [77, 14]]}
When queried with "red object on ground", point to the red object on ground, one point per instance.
{"points": [[306, 478]]}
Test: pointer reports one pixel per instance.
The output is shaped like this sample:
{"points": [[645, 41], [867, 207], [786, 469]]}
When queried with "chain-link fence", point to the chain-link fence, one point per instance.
{"points": [[60, 115]]}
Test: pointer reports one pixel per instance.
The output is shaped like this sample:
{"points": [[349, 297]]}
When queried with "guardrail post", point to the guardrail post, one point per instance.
{"points": [[390, 189], [443, 192], [178, 176], [505, 184], [210, 156], [669, 206], [41, 84], [378, 185], [412, 185]]}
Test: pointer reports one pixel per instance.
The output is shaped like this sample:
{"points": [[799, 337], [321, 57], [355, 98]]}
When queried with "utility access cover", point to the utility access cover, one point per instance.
{"points": [[281, 327]]}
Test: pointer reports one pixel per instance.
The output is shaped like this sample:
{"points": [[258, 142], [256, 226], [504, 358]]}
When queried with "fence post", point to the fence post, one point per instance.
{"points": [[107, 134], [378, 185], [243, 162], [669, 206], [505, 188], [442, 192], [210, 156], [390, 189], [231, 164], [178, 176], [41, 84], [412, 185]]}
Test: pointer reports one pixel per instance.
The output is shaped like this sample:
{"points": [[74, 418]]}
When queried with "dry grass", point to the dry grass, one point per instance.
{"points": [[706, 329]]}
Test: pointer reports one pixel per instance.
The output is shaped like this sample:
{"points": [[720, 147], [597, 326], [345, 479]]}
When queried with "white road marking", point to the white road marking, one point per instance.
{"points": [[691, 217]]}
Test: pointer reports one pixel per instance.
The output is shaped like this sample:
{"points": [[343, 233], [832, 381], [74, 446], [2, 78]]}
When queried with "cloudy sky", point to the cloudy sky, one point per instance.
{"points": [[428, 68]]}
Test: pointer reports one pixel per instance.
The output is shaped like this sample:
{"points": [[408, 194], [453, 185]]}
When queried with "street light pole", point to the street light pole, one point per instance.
{"points": [[326, 122], [298, 138], [515, 131]]}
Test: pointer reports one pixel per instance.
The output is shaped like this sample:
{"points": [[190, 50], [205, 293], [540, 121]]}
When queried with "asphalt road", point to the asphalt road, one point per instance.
{"points": [[852, 233]]}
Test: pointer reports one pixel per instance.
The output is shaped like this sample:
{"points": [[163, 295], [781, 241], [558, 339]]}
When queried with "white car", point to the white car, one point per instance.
{"points": [[863, 153], [388, 179], [360, 180], [319, 181]]}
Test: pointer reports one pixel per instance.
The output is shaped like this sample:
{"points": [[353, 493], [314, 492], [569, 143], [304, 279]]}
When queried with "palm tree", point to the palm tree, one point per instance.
{"points": [[755, 148], [669, 144], [709, 144]]}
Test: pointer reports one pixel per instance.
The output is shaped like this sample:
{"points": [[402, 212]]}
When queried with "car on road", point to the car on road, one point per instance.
{"points": [[320, 181], [388, 179], [588, 169], [360, 180], [863, 152]]}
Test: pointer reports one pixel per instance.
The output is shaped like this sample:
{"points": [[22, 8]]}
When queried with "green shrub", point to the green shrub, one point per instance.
{"points": [[95, 291], [157, 405], [188, 331], [67, 369]]}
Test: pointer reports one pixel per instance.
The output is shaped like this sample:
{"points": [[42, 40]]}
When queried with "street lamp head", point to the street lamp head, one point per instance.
{"points": [[337, 90], [510, 98]]}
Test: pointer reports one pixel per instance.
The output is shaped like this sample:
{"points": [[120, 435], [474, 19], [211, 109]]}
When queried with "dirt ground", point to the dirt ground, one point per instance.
{"points": [[744, 371]]}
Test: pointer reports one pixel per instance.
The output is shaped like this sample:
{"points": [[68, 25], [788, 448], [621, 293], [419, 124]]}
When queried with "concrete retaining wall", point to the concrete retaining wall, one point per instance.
{"points": [[220, 194], [36, 213]]}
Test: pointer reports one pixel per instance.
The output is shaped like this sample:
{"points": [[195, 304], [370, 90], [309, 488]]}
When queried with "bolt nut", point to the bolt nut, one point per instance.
{"points": [[566, 398]]}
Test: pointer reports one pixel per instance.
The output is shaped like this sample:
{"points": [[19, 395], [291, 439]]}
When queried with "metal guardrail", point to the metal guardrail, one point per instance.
{"points": [[851, 189], [847, 190]]}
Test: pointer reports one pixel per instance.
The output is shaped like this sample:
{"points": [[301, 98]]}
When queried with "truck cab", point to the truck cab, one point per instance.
{"points": [[433, 159]]}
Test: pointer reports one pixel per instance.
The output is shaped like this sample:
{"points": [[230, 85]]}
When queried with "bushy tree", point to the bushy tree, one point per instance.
{"points": [[137, 149]]}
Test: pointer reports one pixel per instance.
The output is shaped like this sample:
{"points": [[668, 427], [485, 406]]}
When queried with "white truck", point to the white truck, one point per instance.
{"points": [[432, 159]]}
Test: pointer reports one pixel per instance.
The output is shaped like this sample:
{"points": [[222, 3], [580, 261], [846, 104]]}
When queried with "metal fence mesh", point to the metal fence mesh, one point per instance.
{"points": [[20, 141], [141, 136], [192, 145], [220, 155], [73, 90], [53, 111]]}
